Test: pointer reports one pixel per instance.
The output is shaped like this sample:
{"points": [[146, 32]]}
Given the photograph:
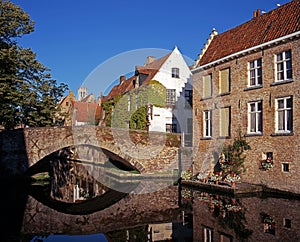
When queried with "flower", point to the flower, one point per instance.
{"points": [[232, 178], [201, 176], [186, 175], [267, 164], [215, 177]]}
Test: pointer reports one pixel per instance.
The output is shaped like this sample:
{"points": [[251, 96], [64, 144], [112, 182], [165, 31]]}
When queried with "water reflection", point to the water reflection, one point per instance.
{"points": [[251, 218], [172, 214], [72, 182]]}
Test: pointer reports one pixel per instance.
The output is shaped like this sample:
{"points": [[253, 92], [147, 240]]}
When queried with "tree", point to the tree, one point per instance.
{"points": [[234, 156], [28, 95]]}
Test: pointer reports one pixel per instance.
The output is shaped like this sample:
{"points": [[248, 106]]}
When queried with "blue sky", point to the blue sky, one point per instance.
{"points": [[73, 37]]}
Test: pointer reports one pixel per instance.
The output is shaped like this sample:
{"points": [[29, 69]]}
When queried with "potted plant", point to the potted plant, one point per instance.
{"points": [[232, 178], [267, 164]]}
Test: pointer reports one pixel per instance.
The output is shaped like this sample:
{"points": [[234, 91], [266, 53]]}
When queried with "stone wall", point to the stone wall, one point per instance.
{"points": [[147, 152]]}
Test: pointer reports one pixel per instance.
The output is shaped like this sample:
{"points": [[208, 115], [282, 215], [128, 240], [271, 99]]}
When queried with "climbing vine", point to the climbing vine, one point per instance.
{"points": [[233, 161], [130, 109]]}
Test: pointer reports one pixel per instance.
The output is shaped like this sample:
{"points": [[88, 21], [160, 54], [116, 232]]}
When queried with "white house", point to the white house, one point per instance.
{"points": [[174, 74]]}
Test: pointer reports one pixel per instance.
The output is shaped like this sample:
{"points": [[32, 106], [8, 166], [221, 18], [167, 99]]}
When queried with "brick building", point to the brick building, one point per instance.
{"points": [[247, 80]]}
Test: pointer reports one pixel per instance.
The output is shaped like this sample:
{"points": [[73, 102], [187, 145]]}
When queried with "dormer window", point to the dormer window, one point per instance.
{"points": [[175, 72]]}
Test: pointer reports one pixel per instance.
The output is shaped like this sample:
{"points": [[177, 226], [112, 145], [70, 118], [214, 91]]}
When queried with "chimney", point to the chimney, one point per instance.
{"points": [[256, 13], [122, 79], [149, 59]]}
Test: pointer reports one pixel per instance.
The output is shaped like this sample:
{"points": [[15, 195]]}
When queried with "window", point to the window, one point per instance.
{"points": [[175, 72], [255, 73], [225, 238], [207, 123], [207, 234], [283, 66], [284, 113], [255, 117], [287, 223], [285, 167], [207, 86], [171, 97], [188, 137], [171, 128], [129, 102], [224, 81], [188, 94], [136, 101], [225, 122]]}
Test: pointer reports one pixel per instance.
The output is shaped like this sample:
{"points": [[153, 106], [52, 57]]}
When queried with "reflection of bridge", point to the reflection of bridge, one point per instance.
{"points": [[146, 152], [131, 211]]}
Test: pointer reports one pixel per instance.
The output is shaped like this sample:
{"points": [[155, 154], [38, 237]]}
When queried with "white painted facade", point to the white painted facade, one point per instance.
{"points": [[180, 113]]}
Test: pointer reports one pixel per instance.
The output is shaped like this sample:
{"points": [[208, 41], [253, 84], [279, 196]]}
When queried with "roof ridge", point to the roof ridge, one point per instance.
{"points": [[254, 32]]}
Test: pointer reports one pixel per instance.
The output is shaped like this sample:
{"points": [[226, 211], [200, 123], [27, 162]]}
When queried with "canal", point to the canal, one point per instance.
{"points": [[77, 207]]}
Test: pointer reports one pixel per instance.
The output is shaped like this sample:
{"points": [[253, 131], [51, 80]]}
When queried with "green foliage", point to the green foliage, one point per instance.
{"points": [[28, 95], [131, 108], [138, 119], [234, 156], [157, 94]]}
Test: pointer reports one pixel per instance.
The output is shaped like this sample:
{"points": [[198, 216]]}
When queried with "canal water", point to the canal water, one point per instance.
{"points": [[79, 208]]}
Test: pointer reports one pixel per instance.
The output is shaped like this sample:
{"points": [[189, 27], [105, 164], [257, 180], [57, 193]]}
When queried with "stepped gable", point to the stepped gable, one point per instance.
{"points": [[269, 26]]}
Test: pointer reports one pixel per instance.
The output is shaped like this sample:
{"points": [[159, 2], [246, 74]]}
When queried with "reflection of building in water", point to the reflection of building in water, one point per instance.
{"points": [[221, 218], [74, 183], [160, 232]]}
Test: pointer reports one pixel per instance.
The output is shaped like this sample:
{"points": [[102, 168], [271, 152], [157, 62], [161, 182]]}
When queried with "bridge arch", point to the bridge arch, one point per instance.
{"points": [[21, 149]]}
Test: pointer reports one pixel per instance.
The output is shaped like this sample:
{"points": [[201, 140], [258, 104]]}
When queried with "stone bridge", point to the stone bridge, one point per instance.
{"points": [[143, 151]]}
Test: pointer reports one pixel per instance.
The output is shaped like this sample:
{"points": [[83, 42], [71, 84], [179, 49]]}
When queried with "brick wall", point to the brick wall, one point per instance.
{"points": [[285, 148]]}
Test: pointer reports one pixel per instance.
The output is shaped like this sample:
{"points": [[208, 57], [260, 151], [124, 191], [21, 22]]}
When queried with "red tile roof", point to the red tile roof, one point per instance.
{"points": [[152, 68], [269, 26], [148, 69], [123, 87], [86, 111]]}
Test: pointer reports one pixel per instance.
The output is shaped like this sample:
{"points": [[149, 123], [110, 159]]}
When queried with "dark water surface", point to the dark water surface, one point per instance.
{"points": [[30, 213]]}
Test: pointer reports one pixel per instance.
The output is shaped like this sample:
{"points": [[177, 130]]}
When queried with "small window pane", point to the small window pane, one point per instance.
{"points": [[280, 104], [279, 57]]}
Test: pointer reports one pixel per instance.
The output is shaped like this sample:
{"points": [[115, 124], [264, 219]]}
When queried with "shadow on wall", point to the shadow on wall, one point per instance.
{"points": [[14, 160]]}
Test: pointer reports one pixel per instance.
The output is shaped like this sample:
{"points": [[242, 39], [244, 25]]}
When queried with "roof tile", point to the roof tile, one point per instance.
{"points": [[277, 23]]}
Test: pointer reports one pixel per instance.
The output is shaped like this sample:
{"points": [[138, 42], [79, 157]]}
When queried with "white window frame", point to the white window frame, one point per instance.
{"points": [[283, 164], [175, 72], [170, 96], [257, 67], [207, 123], [207, 234], [285, 111], [129, 102], [258, 117], [285, 61]]}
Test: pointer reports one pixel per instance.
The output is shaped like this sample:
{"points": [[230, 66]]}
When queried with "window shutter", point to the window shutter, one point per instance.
{"points": [[224, 81], [224, 121], [207, 90]]}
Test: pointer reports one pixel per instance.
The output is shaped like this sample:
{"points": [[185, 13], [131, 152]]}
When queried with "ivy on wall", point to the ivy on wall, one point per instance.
{"points": [[130, 109]]}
